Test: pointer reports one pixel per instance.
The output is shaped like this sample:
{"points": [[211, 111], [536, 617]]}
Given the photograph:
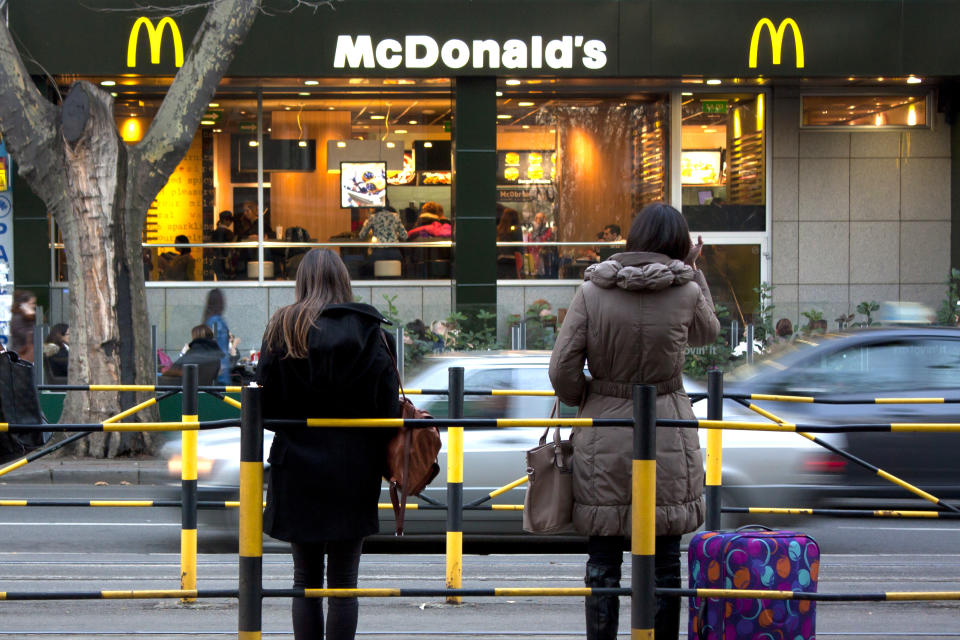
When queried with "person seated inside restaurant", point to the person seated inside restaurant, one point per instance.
{"points": [[611, 233], [384, 226], [178, 265], [509, 259], [202, 351], [225, 260], [431, 225], [56, 351]]}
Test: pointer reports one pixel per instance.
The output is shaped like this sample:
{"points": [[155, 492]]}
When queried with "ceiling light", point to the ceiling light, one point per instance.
{"points": [[851, 107], [207, 122], [341, 144], [311, 83], [914, 80], [503, 116], [252, 143], [107, 83], [880, 79], [218, 130], [525, 104], [499, 93], [214, 104], [714, 81], [391, 145], [303, 93], [512, 82], [377, 117], [709, 130], [114, 94], [524, 126], [399, 131], [286, 108], [427, 145], [411, 122], [330, 108], [553, 130], [686, 93], [302, 143]]}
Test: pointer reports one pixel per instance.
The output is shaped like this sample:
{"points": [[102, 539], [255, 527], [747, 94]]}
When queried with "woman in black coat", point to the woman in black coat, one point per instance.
{"points": [[325, 356]]}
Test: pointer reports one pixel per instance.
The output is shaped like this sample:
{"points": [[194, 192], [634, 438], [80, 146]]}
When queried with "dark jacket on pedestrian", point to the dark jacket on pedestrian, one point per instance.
{"points": [[203, 352], [325, 481], [632, 320]]}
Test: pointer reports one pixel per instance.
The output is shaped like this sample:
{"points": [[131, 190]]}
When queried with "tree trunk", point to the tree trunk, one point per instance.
{"points": [[103, 287]]}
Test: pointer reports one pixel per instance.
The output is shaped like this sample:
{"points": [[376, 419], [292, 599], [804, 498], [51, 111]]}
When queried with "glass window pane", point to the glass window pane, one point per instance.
{"points": [[723, 162], [733, 272], [870, 112]]}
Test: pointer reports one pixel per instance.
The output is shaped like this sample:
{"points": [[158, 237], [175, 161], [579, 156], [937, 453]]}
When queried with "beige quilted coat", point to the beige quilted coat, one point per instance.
{"points": [[631, 321]]}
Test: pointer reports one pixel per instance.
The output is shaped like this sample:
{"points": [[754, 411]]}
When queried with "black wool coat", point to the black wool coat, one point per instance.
{"points": [[324, 482]]}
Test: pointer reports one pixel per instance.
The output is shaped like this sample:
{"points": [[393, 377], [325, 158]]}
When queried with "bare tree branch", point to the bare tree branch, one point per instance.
{"points": [[27, 119], [223, 29]]}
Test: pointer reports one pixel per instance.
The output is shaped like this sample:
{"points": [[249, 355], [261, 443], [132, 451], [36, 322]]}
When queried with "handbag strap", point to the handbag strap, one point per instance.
{"points": [[399, 501]]}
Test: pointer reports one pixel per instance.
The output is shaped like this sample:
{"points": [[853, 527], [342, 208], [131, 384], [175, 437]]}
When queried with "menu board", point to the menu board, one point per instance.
{"points": [[700, 167], [526, 167]]}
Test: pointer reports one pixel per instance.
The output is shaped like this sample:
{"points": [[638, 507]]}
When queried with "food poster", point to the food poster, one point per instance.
{"points": [[6, 246], [526, 167], [407, 176]]}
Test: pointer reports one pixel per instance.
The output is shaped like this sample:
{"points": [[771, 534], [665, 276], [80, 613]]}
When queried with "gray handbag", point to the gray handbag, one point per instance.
{"points": [[548, 505]]}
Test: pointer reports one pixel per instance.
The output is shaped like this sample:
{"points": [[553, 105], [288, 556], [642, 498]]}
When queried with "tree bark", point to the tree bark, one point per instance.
{"points": [[98, 190]]}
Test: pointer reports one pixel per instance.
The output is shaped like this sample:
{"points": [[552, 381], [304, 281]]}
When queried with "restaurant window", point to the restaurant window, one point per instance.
{"points": [[330, 156], [723, 162], [869, 112], [566, 169]]}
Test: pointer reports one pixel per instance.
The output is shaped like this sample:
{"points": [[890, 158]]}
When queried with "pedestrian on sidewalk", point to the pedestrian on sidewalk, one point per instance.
{"points": [[325, 356], [645, 306]]}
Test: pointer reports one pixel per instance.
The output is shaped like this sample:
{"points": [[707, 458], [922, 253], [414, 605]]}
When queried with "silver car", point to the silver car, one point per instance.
{"points": [[759, 468]]}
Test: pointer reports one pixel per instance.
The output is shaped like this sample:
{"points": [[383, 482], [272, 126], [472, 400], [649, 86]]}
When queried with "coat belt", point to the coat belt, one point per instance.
{"points": [[625, 389]]}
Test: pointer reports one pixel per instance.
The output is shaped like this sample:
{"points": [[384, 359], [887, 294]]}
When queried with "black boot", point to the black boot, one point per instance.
{"points": [[603, 612]]}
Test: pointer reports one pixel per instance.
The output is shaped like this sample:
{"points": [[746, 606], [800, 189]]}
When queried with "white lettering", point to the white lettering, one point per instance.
{"points": [[514, 54], [489, 47], [595, 54], [430, 52], [536, 52], [388, 54], [455, 54], [353, 53], [559, 53]]}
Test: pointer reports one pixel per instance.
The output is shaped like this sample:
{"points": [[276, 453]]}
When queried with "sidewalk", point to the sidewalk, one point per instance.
{"points": [[89, 471]]}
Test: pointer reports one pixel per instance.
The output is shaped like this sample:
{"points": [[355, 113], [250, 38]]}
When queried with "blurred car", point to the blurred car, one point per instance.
{"points": [[756, 465], [857, 367]]}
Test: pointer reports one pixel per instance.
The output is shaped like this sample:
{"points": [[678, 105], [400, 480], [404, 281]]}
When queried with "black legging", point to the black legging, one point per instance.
{"points": [[603, 568], [343, 562]]}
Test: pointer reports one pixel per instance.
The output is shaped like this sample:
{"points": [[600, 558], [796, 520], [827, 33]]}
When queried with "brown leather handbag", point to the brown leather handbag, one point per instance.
{"points": [[411, 455]]}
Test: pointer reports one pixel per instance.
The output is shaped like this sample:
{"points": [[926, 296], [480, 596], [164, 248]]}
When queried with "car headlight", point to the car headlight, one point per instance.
{"points": [[175, 466]]}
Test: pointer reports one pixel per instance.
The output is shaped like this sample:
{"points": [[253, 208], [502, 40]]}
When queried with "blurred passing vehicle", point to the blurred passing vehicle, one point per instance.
{"points": [[857, 368], [756, 465]]}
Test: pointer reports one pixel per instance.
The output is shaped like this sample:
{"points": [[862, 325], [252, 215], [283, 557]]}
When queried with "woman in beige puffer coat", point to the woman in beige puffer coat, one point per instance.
{"points": [[631, 321]]}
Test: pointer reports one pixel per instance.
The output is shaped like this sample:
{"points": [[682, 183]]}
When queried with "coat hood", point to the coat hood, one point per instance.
{"points": [[639, 271]]}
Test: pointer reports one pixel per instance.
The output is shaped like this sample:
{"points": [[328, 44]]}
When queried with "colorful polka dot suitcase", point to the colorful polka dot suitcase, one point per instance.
{"points": [[753, 558]]}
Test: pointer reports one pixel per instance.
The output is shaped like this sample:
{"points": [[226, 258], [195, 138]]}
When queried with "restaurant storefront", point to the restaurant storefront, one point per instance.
{"points": [[807, 141]]}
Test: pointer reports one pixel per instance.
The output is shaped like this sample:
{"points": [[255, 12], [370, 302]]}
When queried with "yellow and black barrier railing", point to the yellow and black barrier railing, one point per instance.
{"points": [[818, 400], [139, 388], [98, 427], [845, 513]]}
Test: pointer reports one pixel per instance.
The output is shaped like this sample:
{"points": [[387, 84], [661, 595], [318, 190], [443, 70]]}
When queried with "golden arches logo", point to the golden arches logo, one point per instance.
{"points": [[776, 40], [155, 36]]}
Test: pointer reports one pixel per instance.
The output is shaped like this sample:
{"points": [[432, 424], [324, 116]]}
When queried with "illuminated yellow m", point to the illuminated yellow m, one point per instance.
{"points": [[776, 40], [155, 35]]}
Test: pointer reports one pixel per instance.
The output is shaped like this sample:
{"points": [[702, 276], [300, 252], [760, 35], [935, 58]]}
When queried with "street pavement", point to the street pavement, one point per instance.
{"points": [[89, 549]]}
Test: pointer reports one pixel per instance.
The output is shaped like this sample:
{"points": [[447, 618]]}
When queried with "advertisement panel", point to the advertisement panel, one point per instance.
{"points": [[6, 244]]}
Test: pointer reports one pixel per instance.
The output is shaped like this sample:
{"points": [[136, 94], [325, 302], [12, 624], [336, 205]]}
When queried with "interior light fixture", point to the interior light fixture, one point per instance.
{"points": [[512, 82], [399, 131], [499, 94], [214, 104], [207, 122], [311, 83], [880, 79], [108, 83], [427, 145], [553, 130], [714, 81], [304, 93], [503, 116], [709, 130], [914, 80], [524, 126], [525, 104], [253, 143], [377, 117], [286, 108], [218, 130], [411, 122], [341, 144], [391, 145], [686, 93], [114, 94]]}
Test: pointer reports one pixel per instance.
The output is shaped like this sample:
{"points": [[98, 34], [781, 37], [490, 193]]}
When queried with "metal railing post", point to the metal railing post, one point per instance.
{"points": [[455, 485], [251, 515], [714, 449], [643, 601], [523, 335], [514, 337], [749, 337], [38, 350], [154, 340], [734, 334], [398, 336], [188, 482]]}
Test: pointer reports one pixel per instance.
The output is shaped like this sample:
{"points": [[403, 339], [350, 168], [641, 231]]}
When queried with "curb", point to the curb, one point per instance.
{"points": [[145, 472]]}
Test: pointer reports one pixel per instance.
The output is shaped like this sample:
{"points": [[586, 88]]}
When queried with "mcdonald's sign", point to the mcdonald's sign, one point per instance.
{"points": [[776, 40], [155, 36]]}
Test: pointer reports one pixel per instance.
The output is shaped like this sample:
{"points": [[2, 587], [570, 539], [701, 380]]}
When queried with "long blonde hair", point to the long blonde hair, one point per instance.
{"points": [[322, 279]]}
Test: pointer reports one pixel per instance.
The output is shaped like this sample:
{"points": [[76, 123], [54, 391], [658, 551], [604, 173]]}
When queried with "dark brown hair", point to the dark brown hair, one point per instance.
{"points": [[322, 279], [201, 331], [216, 304], [57, 333], [659, 228]]}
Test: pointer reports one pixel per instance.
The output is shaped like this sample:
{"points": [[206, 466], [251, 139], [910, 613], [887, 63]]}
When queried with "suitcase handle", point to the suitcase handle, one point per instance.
{"points": [[754, 526]]}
